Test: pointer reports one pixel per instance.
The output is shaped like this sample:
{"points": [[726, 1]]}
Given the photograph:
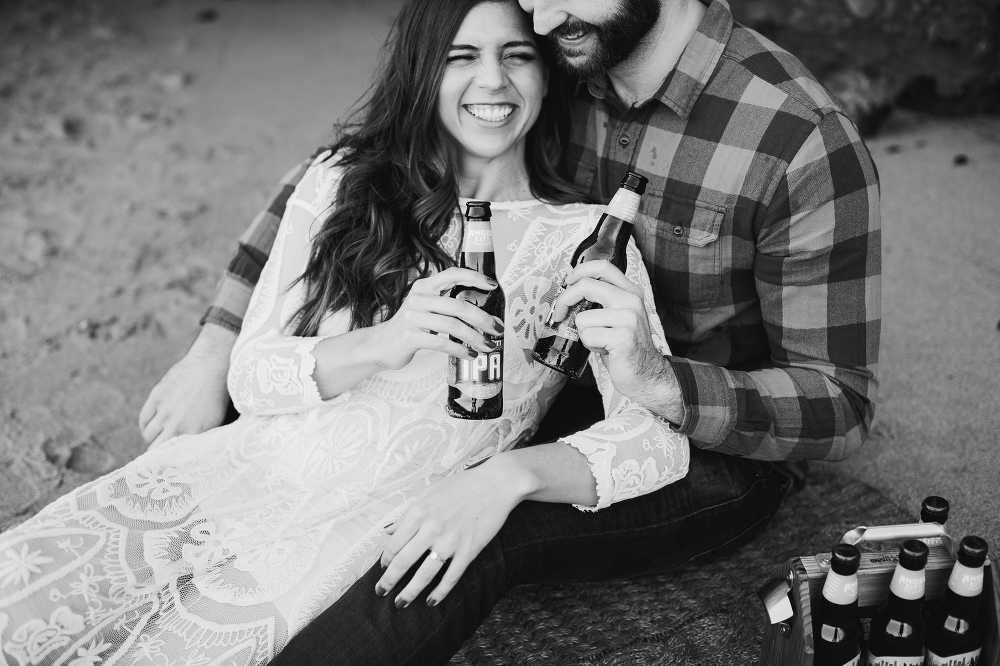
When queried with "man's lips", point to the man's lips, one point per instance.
{"points": [[572, 31]]}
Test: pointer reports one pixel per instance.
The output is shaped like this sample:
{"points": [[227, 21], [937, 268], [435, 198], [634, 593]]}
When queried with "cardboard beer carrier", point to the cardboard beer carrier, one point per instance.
{"points": [[798, 584]]}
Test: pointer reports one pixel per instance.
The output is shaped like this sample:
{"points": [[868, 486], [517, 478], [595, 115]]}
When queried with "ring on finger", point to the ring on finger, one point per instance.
{"points": [[434, 556]]}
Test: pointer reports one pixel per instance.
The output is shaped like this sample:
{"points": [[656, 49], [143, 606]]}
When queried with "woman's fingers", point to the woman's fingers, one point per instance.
{"points": [[452, 307], [432, 322], [450, 278], [423, 577], [456, 567]]}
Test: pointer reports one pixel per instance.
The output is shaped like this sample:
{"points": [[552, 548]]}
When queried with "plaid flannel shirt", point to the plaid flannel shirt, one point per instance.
{"points": [[760, 230]]}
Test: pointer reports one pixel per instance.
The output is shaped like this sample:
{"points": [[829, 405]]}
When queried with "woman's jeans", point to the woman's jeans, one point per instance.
{"points": [[719, 505]]}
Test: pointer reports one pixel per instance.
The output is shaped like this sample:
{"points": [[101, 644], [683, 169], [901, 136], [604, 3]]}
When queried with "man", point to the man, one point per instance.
{"points": [[760, 231]]}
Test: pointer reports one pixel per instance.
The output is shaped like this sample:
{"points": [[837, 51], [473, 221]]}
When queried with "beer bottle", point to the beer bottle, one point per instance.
{"points": [[836, 632], [475, 386], [562, 349], [954, 626], [934, 509], [897, 630]]}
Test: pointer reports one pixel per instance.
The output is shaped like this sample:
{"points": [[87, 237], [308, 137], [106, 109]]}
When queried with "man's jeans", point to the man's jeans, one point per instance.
{"points": [[719, 505]]}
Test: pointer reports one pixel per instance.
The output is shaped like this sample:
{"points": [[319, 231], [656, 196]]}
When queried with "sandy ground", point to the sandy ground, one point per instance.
{"points": [[138, 139]]}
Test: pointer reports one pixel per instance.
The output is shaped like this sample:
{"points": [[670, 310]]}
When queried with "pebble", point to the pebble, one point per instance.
{"points": [[171, 81], [961, 160], [863, 9]]}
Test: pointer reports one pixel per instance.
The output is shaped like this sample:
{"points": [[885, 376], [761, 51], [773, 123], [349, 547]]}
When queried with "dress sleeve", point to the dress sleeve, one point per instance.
{"points": [[631, 452], [271, 372], [232, 294]]}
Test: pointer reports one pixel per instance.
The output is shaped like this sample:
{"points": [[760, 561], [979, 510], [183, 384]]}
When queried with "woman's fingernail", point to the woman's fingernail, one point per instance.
{"points": [[401, 603], [471, 353], [385, 527], [381, 591], [492, 282], [432, 602]]}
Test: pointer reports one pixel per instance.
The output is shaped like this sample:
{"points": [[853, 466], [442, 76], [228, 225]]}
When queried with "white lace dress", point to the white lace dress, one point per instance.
{"points": [[217, 548]]}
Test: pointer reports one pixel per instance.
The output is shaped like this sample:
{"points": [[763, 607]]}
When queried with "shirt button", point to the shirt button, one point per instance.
{"points": [[624, 141], [678, 231]]}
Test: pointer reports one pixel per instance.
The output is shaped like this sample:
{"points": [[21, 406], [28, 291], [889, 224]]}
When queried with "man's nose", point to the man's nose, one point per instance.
{"points": [[544, 15]]}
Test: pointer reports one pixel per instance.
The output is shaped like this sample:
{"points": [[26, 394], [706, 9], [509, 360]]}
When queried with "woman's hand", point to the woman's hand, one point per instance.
{"points": [[455, 519], [426, 311]]}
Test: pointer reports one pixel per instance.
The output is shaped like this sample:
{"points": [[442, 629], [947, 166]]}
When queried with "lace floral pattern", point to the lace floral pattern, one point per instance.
{"points": [[216, 548]]}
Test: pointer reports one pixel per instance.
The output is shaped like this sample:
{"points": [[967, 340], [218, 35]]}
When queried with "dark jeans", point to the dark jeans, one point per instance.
{"points": [[719, 505]]}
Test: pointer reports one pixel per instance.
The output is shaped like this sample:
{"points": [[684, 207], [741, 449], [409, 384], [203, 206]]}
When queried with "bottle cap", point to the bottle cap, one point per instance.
{"points": [[845, 559], [913, 555], [477, 210], [634, 181], [972, 551], [934, 510]]}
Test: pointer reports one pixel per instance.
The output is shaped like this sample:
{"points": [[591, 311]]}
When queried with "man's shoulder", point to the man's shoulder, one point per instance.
{"points": [[774, 78]]}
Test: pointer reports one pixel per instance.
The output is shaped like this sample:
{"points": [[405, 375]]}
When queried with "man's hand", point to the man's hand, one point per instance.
{"points": [[192, 397], [455, 519], [619, 332]]}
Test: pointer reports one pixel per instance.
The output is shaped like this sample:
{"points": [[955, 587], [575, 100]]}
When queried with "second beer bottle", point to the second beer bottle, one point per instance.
{"points": [[897, 630], [475, 386], [562, 349]]}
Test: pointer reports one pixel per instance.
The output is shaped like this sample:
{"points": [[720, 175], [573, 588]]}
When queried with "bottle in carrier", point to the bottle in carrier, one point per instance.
{"points": [[955, 627], [836, 632], [934, 509], [562, 350], [897, 629], [475, 386]]}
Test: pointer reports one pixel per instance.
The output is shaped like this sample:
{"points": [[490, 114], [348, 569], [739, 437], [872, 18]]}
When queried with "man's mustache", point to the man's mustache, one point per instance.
{"points": [[571, 26]]}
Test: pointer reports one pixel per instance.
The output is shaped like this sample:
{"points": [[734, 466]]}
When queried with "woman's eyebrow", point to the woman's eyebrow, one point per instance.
{"points": [[463, 47], [517, 44]]}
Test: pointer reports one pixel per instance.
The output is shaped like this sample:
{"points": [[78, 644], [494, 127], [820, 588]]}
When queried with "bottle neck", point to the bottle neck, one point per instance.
{"points": [[966, 581], [907, 585], [477, 248], [624, 205], [840, 590]]}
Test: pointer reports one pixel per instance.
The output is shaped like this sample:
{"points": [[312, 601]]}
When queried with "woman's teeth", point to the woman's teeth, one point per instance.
{"points": [[493, 113]]}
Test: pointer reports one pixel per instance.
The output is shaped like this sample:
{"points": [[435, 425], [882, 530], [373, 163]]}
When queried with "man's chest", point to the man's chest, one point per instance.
{"points": [[707, 182]]}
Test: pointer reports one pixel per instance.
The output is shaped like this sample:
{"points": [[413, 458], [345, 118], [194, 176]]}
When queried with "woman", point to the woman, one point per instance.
{"points": [[217, 548]]}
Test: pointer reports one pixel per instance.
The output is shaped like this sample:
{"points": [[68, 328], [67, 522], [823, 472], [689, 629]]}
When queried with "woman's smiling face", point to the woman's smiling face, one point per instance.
{"points": [[493, 84]]}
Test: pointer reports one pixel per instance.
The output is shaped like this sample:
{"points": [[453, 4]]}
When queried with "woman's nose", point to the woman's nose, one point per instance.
{"points": [[492, 75]]}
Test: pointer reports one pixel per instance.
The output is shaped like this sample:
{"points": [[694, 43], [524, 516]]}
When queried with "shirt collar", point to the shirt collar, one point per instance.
{"points": [[681, 88]]}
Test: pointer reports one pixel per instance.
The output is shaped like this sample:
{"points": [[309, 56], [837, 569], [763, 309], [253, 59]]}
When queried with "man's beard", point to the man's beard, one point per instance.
{"points": [[616, 39]]}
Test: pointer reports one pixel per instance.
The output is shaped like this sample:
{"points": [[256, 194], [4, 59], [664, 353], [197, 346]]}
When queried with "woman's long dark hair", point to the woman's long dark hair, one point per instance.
{"points": [[399, 189]]}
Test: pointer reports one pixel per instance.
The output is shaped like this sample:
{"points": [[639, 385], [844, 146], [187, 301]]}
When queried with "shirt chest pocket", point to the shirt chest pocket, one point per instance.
{"points": [[681, 236]]}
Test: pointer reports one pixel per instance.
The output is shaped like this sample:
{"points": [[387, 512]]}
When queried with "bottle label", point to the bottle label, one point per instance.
{"points": [[841, 590], [854, 662], [478, 236], [624, 205], [966, 581], [480, 377], [895, 661], [966, 659], [907, 584]]}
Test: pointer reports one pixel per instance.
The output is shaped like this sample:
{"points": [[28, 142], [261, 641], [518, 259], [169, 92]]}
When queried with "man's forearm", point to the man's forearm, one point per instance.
{"points": [[214, 341]]}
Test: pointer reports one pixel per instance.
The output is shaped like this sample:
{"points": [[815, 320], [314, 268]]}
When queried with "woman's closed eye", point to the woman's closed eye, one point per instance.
{"points": [[521, 56]]}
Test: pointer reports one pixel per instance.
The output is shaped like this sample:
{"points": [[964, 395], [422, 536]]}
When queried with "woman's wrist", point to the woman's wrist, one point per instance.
{"points": [[514, 473]]}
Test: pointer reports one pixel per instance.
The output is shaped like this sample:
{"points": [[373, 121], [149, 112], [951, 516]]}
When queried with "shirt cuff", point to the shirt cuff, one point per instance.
{"points": [[219, 317], [709, 401]]}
